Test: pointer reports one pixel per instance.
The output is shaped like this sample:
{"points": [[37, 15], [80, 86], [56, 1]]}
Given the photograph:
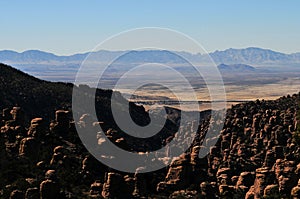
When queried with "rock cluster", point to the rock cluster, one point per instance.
{"points": [[256, 155]]}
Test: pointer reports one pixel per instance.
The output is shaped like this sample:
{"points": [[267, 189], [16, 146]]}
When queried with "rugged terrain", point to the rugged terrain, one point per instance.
{"points": [[257, 154]]}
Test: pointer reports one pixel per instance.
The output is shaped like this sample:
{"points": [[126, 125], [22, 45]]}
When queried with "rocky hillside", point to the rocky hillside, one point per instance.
{"points": [[256, 155], [40, 98]]}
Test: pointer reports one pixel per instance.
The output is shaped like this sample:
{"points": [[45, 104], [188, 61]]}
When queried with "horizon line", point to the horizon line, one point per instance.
{"points": [[124, 50]]}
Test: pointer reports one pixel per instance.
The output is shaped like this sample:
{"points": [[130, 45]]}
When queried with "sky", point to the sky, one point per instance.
{"points": [[69, 27]]}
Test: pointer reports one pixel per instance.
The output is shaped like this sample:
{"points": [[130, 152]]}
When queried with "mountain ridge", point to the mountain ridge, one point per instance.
{"points": [[250, 55], [236, 68]]}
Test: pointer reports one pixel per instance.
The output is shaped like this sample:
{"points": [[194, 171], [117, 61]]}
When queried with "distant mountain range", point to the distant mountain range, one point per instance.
{"points": [[236, 68], [49, 66], [251, 56]]}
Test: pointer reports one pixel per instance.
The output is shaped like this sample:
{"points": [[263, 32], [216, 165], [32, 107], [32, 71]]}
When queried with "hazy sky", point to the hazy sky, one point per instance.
{"points": [[67, 27]]}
